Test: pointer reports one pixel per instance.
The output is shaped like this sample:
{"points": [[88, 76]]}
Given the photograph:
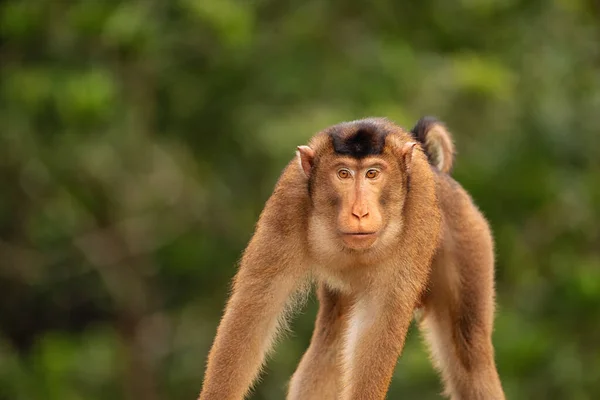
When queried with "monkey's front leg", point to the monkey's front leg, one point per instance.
{"points": [[375, 336], [318, 375], [246, 330]]}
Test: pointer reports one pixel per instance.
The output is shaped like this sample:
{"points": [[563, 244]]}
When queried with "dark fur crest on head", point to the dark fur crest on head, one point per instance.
{"points": [[359, 139]]}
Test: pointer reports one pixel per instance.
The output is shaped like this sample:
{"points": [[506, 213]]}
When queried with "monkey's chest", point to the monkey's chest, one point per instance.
{"points": [[346, 278]]}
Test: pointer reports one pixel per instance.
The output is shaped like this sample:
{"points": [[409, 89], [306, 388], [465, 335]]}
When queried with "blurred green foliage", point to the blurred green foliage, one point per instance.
{"points": [[140, 139]]}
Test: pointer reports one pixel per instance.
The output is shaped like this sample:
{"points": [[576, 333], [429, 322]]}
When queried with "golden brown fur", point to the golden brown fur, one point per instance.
{"points": [[363, 213]]}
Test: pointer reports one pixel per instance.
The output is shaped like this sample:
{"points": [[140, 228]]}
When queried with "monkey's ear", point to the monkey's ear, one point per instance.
{"points": [[306, 156], [406, 153]]}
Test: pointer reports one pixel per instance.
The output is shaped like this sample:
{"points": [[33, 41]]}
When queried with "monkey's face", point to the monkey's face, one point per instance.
{"points": [[357, 179], [355, 187], [356, 199]]}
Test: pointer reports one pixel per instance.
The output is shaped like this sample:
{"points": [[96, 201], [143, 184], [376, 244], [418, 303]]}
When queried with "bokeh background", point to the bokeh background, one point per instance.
{"points": [[140, 139]]}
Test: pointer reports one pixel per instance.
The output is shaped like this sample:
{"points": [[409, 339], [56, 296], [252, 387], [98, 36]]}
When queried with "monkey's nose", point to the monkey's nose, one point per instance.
{"points": [[360, 213]]}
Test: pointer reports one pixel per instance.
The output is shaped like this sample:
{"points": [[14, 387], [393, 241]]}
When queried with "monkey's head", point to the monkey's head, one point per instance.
{"points": [[358, 177]]}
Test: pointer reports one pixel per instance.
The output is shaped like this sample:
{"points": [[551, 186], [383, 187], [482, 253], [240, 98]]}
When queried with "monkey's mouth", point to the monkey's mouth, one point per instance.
{"points": [[359, 234], [359, 240]]}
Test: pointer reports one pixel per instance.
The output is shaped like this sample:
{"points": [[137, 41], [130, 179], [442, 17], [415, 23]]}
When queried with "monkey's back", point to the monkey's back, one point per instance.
{"points": [[465, 257], [462, 219]]}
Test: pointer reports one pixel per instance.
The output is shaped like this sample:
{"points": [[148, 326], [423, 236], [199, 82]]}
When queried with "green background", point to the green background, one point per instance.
{"points": [[140, 139]]}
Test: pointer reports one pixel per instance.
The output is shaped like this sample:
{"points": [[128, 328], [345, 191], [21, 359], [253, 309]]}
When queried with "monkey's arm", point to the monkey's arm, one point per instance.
{"points": [[375, 336], [270, 271], [317, 376]]}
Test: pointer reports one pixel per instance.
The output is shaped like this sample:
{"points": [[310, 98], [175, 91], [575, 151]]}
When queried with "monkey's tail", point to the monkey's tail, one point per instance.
{"points": [[437, 142]]}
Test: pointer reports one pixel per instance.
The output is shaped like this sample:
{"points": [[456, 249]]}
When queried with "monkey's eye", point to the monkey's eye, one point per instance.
{"points": [[372, 174], [343, 174]]}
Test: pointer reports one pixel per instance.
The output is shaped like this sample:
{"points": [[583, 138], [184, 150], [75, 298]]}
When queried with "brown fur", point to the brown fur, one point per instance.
{"points": [[437, 142], [432, 249]]}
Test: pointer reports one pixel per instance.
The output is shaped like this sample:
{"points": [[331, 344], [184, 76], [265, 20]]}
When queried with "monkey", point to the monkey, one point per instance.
{"points": [[368, 212]]}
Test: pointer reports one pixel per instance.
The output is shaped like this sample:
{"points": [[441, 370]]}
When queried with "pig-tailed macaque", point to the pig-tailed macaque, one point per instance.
{"points": [[370, 213]]}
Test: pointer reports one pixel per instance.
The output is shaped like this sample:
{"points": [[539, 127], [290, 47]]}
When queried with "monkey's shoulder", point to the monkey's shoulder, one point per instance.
{"points": [[456, 203], [286, 211]]}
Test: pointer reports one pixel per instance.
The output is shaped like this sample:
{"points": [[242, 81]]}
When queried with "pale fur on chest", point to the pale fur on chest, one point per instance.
{"points": [[360, 320]]}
